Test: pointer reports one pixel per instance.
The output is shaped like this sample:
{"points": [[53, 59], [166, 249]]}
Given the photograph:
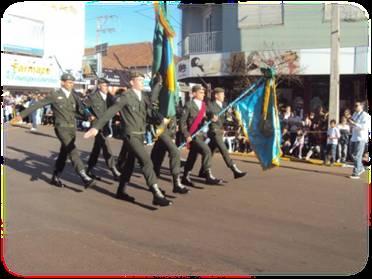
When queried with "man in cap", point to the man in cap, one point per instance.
{"points": [[98, 102], [216, 131], [66, 106], [165, 143], [192, 120], [135, 108]]}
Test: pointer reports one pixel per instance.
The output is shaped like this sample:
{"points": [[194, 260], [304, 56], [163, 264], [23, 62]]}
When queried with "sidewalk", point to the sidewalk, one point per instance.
{"points": [[294, 159]]}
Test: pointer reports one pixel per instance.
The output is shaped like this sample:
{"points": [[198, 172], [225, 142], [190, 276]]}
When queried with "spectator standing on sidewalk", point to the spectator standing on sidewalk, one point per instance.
{"points": [[333, 134], [343, 142], [299, 143], [360, 123]]}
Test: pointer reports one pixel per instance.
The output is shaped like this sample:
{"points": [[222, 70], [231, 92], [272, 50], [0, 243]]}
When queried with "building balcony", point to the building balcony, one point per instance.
{"points": [[199, 43]]}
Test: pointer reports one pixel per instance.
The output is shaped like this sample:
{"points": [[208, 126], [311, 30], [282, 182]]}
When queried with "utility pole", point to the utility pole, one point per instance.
{"points": [[334, 91], [100, 21]]}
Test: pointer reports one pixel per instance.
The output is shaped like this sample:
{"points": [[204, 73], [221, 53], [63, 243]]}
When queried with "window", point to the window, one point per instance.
{"points": [[255, 15], [348, 13]]}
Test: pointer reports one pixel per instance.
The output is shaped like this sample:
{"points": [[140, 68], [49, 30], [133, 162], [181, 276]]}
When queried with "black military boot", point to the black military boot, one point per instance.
{"points": [[202, 173], [116, 173], [186, 180], [87, 180], [178, 187], [56, 180], [210, 179], [91, 174], [237, 173], [122, 195], [159, 198]]}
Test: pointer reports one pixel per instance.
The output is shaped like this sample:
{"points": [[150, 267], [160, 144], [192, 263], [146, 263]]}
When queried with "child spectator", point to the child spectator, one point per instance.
{"points": [[286, 141], [315, 140], [333, 135], [343, 142], [299, 143]]}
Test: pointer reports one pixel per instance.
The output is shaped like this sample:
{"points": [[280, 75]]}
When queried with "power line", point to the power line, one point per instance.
{"points": [[179, 24]]}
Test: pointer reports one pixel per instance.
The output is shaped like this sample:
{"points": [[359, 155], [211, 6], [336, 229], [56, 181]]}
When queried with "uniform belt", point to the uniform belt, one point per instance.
{"points": [[66, 125], [138, 133]]}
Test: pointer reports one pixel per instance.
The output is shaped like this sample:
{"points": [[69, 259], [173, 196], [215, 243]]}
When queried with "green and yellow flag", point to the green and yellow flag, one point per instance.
{"points": [[163, 61]]}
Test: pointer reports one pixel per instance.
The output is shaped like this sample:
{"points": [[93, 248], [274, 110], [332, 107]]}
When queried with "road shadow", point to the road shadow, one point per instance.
{"points": [[147, 189], [195, 178], [39, 168], [37, 133], [165, 172], [112, 195], [36, 166]]}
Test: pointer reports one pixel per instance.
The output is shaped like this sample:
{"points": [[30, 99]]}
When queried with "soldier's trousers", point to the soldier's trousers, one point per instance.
{"points": [[122, 157], [197, 145], [162, 145], [101, 143], [216, 142], [67, 136], [136, 150]]}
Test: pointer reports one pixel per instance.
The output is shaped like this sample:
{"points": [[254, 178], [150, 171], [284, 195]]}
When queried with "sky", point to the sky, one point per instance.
{"points": [[133, 22]]}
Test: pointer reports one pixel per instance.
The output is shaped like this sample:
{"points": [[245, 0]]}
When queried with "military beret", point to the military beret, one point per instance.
{"points": [[218, 90], [67, 76], [197, 88], [103, 80], [133, 75]]}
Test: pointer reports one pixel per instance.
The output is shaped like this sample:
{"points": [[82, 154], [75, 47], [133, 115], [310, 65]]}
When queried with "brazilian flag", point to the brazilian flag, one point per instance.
{"points": [[163, 61]]}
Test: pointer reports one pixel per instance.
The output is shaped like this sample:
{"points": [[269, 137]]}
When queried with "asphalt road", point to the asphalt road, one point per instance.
{"points": [[296, 219]]}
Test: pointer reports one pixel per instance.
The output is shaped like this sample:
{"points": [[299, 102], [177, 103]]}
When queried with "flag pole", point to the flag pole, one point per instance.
{"points": [[256, 84]]}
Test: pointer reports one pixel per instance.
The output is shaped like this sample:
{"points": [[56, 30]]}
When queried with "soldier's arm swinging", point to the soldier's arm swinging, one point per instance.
{"points": [[46, 101], [109, 114]]}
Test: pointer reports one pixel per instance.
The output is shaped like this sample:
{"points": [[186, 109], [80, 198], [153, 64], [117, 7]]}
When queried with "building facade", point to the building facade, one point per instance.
{"points": [[40, 40], [120, 59], [223, 44]]}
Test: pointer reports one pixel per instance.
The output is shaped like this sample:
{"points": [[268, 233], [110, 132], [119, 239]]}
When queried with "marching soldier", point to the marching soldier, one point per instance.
{"points": [[123, 151], [192, 120], [98, 102], [66, 105], [216, 131], [166, 143], [135, 108]]}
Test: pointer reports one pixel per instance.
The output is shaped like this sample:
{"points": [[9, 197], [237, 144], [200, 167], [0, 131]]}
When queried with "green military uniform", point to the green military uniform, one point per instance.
{"points": [[162, 145], [135, 113], [65, 111], [197, 145], [136, 109], [98, 106], [216, 131], [123, 151], [215, 134]]}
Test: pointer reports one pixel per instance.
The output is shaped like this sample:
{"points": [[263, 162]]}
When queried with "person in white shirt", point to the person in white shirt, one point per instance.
{"points": [[343, 141], [360, 123], [333, 134], [299, 143]]}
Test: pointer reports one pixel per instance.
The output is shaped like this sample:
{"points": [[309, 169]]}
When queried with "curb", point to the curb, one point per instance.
{"points": [[291, 158]]}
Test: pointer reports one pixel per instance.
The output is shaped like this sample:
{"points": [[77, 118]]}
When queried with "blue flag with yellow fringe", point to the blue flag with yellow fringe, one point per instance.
{"points": [[258, 116]]}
